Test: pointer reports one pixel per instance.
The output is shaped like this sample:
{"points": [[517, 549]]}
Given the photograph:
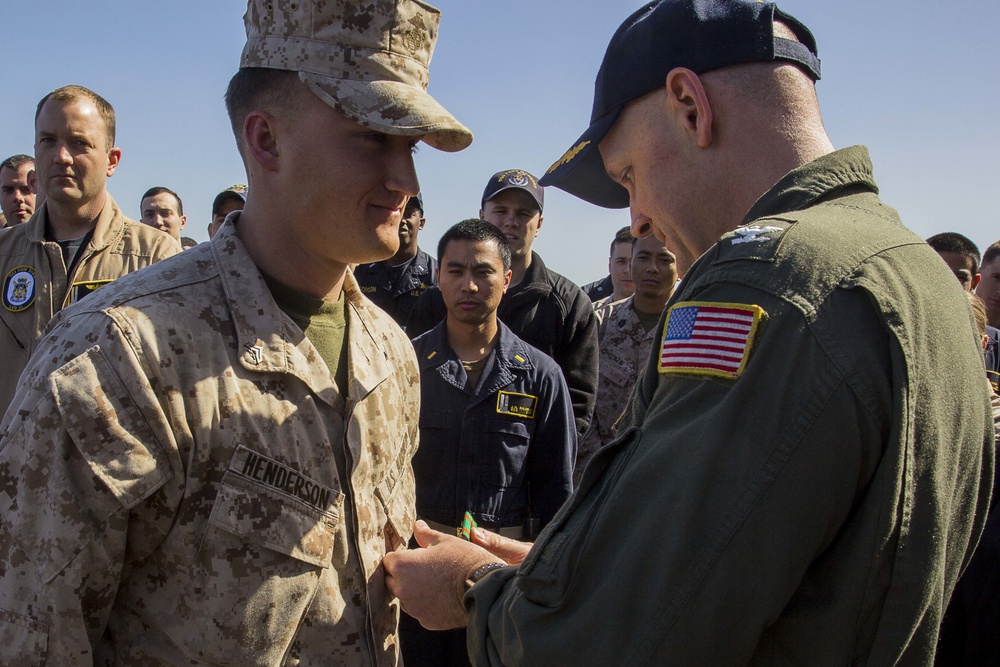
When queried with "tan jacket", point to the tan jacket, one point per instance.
{"points": [[175, 486], [36, 286]]}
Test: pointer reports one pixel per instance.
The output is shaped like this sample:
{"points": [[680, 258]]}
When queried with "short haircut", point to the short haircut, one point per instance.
{"points": [[476, 230], [68, 94], [223, 197], [159, 190], [958, 244], [623, 235], [991, 253], [253, 88], [15, 162]]}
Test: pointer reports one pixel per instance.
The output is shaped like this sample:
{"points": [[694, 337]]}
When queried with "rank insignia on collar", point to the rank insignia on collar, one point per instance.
{"points": [[754, 234], [254, 353], [709, 339], [19, 289]]}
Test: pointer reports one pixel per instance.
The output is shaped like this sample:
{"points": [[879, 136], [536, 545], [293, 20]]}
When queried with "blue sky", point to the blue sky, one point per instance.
{"points": [[916, 81]]}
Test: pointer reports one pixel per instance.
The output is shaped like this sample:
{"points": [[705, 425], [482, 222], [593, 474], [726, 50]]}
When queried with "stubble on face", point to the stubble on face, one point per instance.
{"points": [[72, 152]]}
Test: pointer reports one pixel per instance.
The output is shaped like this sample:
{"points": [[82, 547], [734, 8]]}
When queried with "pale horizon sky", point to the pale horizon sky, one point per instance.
{"points": [[915, 81]]}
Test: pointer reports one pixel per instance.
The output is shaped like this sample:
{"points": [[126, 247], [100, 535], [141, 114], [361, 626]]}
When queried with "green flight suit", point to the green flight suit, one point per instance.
{"points": [[815, 508]]}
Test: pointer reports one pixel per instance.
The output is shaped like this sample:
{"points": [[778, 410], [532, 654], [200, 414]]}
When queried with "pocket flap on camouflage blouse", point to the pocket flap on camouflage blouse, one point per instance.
{"points": [[108, 427], [302, 526]]}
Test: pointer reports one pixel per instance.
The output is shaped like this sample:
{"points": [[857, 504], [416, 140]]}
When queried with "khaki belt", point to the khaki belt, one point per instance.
{"points": [[513, 532]]}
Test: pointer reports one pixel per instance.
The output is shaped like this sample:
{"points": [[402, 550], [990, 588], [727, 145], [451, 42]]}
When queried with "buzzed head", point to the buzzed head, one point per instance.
{"points": [[961, 255], [260, 89]]}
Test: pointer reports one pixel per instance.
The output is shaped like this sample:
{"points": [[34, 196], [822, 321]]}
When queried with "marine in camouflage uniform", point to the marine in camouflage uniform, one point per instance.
{"points": [[186, 479], [183, 464], [624, 345]]}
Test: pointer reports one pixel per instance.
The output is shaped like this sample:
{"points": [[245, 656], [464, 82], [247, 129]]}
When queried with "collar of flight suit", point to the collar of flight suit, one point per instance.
{"points": [[803, 186], [269, 342], [109, 228]]}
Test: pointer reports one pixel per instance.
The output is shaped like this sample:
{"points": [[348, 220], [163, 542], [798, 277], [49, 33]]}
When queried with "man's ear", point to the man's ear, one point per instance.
{"points": [[261, 142], [114, 157], [688, 102], [32, 182], [506, 280], [975, 281]]}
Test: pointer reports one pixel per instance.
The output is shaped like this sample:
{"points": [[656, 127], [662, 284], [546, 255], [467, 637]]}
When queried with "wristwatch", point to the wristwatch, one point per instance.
{"points": [[481, 572]]}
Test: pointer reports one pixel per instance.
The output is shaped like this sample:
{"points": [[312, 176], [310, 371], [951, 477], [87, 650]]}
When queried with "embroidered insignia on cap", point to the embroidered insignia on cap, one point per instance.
{"points": [[711, 339], [516, 405], [518, 178], [19, 289], [567, 156], [754, 233]]}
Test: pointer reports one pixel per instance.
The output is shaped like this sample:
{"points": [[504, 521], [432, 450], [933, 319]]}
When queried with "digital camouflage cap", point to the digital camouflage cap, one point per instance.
{"points": [[369, 61]]}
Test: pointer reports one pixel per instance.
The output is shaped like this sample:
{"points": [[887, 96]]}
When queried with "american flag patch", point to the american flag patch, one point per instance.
{"points": [[708, 338]]}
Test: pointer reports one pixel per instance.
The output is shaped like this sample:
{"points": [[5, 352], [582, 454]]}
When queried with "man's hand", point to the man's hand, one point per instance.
{"points": [[510, 550], [430, 581]]}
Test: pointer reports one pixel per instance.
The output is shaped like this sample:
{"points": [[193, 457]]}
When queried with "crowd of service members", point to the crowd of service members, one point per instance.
{"points": [[599, 336]]}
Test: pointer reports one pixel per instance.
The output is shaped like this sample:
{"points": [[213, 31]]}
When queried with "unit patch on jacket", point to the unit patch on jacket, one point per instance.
{"points": [[19, 289], [712, 339], [516, 405]]}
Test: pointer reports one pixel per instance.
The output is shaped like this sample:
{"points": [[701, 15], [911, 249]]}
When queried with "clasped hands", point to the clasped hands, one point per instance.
{"points": [[430, 581]]}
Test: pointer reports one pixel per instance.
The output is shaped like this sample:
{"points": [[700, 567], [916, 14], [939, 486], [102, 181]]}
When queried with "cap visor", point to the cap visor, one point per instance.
{"points": [[393, 108], [580, 171]]}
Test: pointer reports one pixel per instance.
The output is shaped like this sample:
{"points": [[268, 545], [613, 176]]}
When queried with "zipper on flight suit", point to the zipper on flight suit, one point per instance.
{"points": [[12, 334]]}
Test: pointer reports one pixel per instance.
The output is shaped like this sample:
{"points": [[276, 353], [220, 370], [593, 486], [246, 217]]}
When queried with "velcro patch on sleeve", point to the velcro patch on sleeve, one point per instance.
{"points": [[709, 339], [516, 405]]}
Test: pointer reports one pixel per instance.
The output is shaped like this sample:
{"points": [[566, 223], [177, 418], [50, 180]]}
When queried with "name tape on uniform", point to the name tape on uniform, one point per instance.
{"points": [[709, 339], [278, 476], [516, 405]]}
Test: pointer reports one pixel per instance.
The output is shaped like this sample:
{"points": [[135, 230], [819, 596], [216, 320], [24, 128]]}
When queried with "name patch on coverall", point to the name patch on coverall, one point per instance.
{"points": [[516, 405], [280, 477]]}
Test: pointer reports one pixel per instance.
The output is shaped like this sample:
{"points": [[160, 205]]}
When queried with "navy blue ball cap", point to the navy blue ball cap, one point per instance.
{"points": [[701, 35], [517, 179], [415, 203]]}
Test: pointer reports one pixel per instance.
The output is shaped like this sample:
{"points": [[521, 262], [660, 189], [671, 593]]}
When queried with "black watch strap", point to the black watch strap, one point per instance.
{"points": [[481, 572]]}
